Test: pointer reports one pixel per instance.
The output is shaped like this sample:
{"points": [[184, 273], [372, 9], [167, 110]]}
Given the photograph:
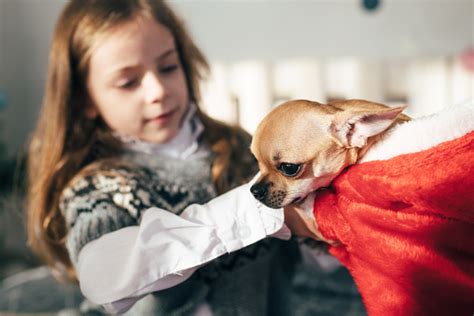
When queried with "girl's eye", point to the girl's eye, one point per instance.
{"points": [[169, 68], [128, 84], [289, 169]]}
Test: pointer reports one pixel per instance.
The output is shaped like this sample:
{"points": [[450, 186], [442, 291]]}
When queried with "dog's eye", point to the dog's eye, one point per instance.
{"points": [[289, 169]]}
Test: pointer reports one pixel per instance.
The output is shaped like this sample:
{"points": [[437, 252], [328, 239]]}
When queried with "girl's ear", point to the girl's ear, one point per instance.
{"points": [[90, 110], [351, 129]]}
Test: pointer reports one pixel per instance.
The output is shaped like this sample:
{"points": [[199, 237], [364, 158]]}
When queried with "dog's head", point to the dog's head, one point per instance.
{"points": [[302, 145]]}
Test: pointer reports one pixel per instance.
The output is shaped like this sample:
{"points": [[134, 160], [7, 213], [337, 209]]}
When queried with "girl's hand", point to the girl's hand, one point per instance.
{"points": [[300, 219]]}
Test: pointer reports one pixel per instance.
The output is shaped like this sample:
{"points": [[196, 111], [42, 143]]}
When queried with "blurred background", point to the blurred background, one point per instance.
{"points": [[414, 52]]}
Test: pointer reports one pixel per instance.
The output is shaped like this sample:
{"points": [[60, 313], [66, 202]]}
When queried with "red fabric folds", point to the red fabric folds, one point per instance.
{"points": [[406, 229]]}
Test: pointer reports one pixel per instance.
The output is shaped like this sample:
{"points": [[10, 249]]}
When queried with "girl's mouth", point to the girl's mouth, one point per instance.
{"points": [[162, 118]]}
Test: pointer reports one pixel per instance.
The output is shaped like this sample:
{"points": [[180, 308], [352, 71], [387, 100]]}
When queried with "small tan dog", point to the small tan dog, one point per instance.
{"points": [[399, 220], [302, 146]]}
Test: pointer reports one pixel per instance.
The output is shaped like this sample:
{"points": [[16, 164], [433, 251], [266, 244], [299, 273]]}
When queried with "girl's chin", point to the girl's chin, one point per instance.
{"points": [[159, 137]]}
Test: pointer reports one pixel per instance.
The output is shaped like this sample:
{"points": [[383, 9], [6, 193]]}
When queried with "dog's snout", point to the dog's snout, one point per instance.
{"points": [[259, 190]]}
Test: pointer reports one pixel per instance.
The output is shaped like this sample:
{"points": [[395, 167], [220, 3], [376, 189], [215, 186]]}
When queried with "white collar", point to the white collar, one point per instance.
{"points": [[183, 146]]}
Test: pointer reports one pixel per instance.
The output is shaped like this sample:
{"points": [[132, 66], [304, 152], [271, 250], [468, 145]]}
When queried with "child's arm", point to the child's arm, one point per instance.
{"points": [[120, 267]]}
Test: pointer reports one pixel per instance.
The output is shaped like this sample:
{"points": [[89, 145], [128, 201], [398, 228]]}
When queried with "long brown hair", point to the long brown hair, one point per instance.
{"points": [[65, 140]]}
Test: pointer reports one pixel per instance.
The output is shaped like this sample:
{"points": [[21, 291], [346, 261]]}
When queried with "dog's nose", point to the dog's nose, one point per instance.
{"points": [[259, 190]]}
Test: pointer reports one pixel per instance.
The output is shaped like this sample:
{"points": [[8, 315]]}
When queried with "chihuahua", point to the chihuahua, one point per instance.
{"points": [[302, 146]]}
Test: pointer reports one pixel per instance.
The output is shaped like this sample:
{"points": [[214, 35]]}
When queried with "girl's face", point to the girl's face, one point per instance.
{"points": [[136, 82]]}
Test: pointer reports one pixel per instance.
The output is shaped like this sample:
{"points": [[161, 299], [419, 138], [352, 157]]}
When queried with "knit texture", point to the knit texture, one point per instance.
{"points": [[114, 198]]}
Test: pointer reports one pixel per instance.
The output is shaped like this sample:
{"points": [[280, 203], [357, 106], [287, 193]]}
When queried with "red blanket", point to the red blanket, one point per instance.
{"points": [[406, 230]]}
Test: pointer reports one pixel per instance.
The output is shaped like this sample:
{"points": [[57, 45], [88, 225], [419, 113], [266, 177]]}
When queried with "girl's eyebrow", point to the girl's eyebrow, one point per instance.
{"points": [[128, 68], [114, 75], [123, 70]]}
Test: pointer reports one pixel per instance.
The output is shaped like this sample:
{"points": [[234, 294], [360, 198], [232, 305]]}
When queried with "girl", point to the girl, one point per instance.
{"points": [[121, 139]]}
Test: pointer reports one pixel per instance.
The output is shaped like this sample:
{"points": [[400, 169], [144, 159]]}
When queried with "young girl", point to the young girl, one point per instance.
{"points": [[120, 152]]}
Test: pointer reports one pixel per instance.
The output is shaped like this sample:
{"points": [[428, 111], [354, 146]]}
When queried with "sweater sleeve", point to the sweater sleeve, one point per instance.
{"points": [[99, 204]]}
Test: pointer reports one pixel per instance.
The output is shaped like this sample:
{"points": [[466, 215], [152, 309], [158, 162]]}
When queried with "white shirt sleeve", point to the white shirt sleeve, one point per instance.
{"points": [[119, 268]]}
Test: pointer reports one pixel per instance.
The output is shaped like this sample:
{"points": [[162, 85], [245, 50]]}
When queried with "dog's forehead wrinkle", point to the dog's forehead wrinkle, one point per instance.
{"points": [[276, 156]]}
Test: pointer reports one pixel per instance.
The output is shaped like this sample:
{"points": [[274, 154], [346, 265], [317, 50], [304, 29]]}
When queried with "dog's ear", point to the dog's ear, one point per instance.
{"points": [[352, 128]]}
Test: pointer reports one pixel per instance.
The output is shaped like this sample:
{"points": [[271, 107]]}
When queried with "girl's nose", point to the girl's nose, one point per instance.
{"points": [[154, 89]]}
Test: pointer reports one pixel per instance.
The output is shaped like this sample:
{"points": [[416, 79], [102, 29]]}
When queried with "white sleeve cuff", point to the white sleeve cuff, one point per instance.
{"points": [[241, 220]]}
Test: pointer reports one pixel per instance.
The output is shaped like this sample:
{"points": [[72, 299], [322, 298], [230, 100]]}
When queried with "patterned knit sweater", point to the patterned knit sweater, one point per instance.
{"points": [[252, 281]]}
